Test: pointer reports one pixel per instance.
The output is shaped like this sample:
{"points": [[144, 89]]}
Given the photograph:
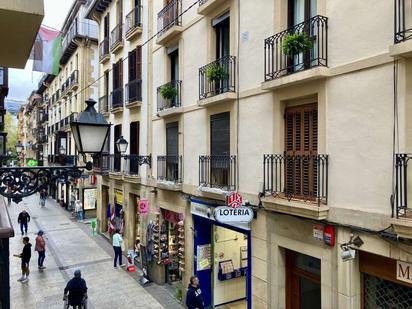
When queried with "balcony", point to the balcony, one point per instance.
{"points": [[78, 30], [217, 81], [70, 160], [169, 22], [101, 163], [133, 91], [115, 166], [169, 172], [217, 174], [403, 29], [134, 23], [169, 97], [279, 65], [104, 104], [104, 50], [117, 100], [296, 184], [116, 38], [73, 81], [209, 6]]}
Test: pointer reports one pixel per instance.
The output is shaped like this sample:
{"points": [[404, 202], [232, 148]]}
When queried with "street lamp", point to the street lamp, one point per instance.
{"points": [[121, 145], [90, 132]]}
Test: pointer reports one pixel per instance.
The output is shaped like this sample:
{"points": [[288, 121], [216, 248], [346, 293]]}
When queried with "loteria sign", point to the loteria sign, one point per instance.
{"points": [[404, 271], [234, 212]]}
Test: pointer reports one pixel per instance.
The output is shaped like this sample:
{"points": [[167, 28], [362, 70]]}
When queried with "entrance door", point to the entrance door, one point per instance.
{"points": [[203, 236], [220, 149], [301, 146], [303, 290]]}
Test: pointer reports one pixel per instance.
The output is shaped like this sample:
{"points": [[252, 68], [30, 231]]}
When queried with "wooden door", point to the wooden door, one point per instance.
{"points": [[301, 146]]}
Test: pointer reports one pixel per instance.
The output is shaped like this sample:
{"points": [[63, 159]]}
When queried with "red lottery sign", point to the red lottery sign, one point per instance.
{"points": [[143, 206], [234, 200]]}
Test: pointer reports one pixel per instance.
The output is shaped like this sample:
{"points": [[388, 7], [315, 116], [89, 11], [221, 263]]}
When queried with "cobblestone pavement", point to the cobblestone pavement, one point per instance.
{"points": [[70, 246]]}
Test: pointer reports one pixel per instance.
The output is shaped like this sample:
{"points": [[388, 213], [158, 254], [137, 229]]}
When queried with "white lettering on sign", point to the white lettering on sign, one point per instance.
{"points": [[404, 271], [227, 214]]}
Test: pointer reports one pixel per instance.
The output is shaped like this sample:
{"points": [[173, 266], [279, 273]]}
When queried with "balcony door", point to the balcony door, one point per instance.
{"points": [[298, 12], [117, 96], [117, 154], [174, 71], [172, 151], [135, 74], [134, 146], [301, 148], [106, 26], [220, 149], [222, 30]]}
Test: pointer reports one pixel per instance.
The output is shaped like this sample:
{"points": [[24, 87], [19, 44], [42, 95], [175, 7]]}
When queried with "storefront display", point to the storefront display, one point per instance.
{"points": [[89, 199]]}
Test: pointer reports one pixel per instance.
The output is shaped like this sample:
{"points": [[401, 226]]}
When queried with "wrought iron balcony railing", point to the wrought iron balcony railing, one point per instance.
{"points": [[104, 48], [169, 168], [301, 177], [101, 163], [115, 163], [133, 91], [278, 64], [175, 87], [104, 104], [401, 198], [218, 172], [83, 28], [403, 21], [117, 98], [134, 19], [70, 160], [217, 77], [74, 78], [131, 164], [169, 16], [116, 36]]}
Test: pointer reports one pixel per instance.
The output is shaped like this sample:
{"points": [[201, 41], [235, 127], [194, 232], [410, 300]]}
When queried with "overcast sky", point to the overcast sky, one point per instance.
{"points": [[23, 82]]}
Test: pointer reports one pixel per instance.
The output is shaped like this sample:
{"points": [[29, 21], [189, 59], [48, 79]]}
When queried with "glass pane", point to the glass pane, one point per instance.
{"points": [[308, 263], [309, 294]]}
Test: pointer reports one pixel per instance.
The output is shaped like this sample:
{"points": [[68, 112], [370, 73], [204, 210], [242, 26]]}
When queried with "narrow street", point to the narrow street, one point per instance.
{"points": [[70, 246]]}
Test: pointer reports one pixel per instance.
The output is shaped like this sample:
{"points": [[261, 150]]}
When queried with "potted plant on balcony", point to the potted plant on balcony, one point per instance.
{"points": [[296, 43], [217, 73], [169, 93]]}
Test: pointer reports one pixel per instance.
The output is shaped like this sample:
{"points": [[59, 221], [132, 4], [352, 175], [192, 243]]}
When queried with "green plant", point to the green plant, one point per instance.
{"points": [[296, 43], [216, 72], [168, 92], [179, 292]]}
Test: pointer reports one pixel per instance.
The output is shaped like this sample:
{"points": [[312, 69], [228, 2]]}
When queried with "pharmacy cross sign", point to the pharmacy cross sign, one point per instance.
{"points": [[234, 200]]}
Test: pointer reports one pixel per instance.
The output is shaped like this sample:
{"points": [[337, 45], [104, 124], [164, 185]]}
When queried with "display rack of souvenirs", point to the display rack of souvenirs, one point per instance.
{"points": [[164, 252], [156, 238], [181, 246], [173, 267]]}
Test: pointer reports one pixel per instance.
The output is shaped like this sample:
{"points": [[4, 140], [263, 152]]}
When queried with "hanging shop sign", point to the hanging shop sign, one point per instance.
{"points": [[143, 206], [226, 214], [235, 200], [32, 163], [404, 271]]}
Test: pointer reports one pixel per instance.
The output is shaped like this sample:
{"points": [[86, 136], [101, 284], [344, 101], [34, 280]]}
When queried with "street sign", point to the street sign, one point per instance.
{"points": [[235, 200], [226, 214], [32, 163]]}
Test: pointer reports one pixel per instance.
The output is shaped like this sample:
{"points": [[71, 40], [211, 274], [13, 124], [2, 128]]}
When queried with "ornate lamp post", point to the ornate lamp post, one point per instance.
{"points": [[90, 132]]}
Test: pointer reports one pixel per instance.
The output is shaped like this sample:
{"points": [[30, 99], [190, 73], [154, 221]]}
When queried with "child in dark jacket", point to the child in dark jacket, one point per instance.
{"points": [[25, 256], [194, 298]]}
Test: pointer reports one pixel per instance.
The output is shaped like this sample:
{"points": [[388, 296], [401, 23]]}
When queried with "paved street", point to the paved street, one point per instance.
{"points": [[69, 246]]}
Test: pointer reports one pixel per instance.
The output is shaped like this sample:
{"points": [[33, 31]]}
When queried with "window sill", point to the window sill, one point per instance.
{"points": [[169, 35], [402, 227], [169, 185], [133, 32], [170, 111], [296, 208], [403, 49], [219, 98], [209, 7], [132, 178]]}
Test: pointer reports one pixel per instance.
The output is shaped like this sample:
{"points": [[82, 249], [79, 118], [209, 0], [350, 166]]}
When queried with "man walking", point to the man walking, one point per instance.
{"points": [[43, 197], [25, 256], [23, 219], [194, 298]]}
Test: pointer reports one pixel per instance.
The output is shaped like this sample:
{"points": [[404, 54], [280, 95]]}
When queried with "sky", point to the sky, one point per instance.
{"points": [[23, 82]]}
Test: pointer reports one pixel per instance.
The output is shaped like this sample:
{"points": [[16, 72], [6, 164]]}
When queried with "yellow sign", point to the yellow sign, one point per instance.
{"points": [[118, 194], [204, 264]]}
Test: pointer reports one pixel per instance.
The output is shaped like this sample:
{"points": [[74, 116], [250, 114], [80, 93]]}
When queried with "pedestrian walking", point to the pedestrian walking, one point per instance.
{"points": [[72, 199], [25, 256], [23, 219], [117, 247], [79, 210], [76, 289], [43, 197], [40, 247], [194, 298]]}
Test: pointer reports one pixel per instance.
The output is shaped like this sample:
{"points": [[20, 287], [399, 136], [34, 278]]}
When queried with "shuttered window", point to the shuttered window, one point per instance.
{"points": [[132, 65], [118, 74], [220, 134], [172, 139], [301, 146], [134, 137]]}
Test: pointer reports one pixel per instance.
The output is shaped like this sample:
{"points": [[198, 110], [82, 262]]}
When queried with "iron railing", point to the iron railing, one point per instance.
{"points": [[169, 16], [101, 162], [224, 82], [131, 164], [302, 177], [403, 21], [83, 28], [401, 198], [278, 64], [70, 160], [104, 48], [103, 104], [133, 91], [115, 163], [169, 168], [116, 35], [218, 172], [117, 98], [134, 19], [74, 78], [165, 103]]}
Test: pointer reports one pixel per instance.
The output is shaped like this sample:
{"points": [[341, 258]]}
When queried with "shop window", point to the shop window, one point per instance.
{"points": [[303, 288]]}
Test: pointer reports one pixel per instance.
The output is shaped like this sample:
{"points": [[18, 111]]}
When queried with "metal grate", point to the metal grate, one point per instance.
{"points": [[383, 294]]}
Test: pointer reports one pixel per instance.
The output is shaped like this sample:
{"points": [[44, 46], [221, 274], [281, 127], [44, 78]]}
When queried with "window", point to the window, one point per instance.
{"points": [[174, 64], [301, 145], [117, 75], [117, 158], [135, 64], [303, 289], [222, 29], [134, 146], [106, 27], [220, 149]]}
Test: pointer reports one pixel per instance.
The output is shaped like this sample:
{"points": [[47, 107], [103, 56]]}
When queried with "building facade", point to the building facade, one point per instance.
{"points": [[315, 139], [4, 90]]}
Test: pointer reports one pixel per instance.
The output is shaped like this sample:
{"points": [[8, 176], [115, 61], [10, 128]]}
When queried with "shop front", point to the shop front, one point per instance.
{"points": [[385, 282], [222, 258]]}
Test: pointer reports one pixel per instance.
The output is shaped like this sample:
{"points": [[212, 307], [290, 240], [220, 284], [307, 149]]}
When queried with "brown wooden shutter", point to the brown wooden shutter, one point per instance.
{"points": [[120, 73], [138, 62], [115, 76], [301, 139], [132, 65]]}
